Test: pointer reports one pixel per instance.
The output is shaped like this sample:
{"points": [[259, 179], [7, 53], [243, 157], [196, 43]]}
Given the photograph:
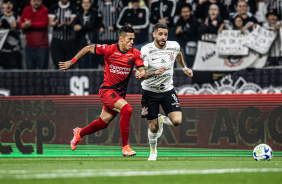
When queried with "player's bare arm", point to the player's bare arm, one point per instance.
{"points": [[180, 60], [67, 64], [142, 74]]}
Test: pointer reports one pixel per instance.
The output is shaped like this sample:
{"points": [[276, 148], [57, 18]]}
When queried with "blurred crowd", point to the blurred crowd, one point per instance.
{"points": [[43, 32]]}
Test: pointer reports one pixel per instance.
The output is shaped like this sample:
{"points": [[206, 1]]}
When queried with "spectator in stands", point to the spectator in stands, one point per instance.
{"points": [[275, 5], [85, 25], [109, 11], [275, 54], [10, 52], [137, 17], [34, 22], [262, 10], [203, 8], [208, 30], [252, 5], [63, 45], [180, 3], [163, 11], [242, 10], [238, 24], [186, 33]]}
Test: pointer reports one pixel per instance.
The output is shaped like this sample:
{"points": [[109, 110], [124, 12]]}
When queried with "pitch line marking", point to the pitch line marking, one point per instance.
{"points": [[35, 174]]}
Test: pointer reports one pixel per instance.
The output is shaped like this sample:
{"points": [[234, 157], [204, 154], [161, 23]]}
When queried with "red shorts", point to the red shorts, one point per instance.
{"points": [[109, 97]]}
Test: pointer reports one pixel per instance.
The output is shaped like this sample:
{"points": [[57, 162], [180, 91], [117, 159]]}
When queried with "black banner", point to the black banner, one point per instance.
{"points": [[87, 82]]}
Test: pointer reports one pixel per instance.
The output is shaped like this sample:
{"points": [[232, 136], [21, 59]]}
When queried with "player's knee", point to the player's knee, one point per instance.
{"points": [[153, 128], [176, 122], [127, 109]]}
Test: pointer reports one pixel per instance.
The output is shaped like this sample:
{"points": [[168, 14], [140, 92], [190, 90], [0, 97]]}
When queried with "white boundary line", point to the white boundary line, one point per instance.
{"points": [[39, 174]]}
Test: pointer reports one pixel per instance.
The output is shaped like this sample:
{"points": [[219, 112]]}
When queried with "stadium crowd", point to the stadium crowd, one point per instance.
{"points": [[37, 34]]}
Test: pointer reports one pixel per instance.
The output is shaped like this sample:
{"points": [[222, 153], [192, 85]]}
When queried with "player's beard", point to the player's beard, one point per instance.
{"points": [[158, 42]]}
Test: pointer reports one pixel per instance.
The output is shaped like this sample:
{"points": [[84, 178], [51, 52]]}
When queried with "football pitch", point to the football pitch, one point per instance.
{"points": [[198, 166]]}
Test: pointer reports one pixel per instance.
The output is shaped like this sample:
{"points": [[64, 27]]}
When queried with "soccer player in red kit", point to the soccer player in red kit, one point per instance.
{"points": [[119, 59]]}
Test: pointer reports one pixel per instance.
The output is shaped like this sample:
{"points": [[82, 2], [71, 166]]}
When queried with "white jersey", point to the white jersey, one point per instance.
{"points": [[155, 58]]}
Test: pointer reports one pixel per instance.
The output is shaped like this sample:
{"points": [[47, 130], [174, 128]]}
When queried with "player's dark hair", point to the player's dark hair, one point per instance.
{"points": [[124, 30], [160, 25]]}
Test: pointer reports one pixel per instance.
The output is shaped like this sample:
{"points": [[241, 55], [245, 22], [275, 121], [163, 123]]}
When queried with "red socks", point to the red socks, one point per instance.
{"points": [[99, 124], [125, 112], [94, 126]]}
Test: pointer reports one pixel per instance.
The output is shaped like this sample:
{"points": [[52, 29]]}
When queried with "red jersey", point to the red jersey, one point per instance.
{"points": [[37, 34], [118, 66]]}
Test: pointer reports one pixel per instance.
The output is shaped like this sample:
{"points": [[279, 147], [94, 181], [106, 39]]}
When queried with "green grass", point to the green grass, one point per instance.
{"points": [[96, 170], [59, 150]]}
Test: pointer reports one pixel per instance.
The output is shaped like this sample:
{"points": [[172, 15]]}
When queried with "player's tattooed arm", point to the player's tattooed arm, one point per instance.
{"points": [[67, 64], [142, 74], [180, 60]]}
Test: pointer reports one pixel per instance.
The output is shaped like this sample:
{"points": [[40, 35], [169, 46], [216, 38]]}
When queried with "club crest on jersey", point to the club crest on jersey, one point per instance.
{"points": [[129, 60], [171, 56]]}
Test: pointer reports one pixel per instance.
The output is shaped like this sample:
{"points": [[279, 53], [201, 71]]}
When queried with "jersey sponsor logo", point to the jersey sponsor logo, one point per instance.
{"points": [[144, 111], [154, 59], [117, 53], [160, 87], [152, 51], [176, 104], [171, 56], [162, 76], [119, 70], [171, 49], [153, 86]]}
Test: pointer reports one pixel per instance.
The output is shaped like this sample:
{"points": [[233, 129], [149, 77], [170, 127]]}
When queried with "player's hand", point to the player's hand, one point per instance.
{"points": [[160, 71], [139, 74], [65, 65], [189, 72]]}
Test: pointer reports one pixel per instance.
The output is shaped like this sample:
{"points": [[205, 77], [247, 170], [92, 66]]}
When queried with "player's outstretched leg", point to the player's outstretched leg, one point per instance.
{"points": [[91, 128], [153, 145], [125, 112]]}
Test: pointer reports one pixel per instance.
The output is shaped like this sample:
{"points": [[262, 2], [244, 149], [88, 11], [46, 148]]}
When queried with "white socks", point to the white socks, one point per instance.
{"points": [[152, 140]]}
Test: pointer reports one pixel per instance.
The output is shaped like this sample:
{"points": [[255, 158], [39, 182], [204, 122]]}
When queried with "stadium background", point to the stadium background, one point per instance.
{"points": [[31, 121]]}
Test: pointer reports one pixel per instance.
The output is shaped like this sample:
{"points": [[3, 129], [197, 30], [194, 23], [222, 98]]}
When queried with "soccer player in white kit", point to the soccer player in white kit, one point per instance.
{"points": [[159, 90]]}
